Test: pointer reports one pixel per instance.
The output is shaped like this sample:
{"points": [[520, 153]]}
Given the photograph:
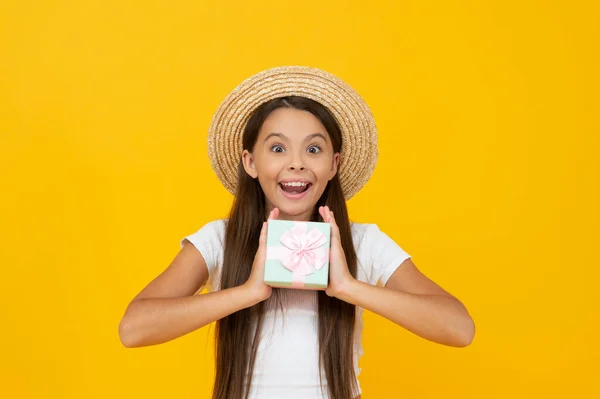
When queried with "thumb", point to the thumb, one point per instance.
{"points": [[262, 245], [335, 232]]}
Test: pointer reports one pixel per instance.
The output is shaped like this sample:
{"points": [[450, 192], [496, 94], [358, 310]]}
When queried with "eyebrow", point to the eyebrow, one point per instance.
{"points": [[283, 136]]}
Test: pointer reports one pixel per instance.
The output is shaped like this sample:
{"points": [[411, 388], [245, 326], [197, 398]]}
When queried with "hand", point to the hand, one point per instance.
{"points": [[339, 275], [256, 282]]}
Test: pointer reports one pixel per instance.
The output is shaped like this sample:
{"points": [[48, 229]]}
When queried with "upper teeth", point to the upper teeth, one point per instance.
{"points": [[294, 184]]}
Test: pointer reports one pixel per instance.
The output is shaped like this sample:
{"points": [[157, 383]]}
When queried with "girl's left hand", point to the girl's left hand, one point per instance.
{"points": [[339, 275]]}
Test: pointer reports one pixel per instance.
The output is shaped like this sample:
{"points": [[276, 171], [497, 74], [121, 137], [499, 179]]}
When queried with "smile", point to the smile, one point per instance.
{"points": [[294, 189]]}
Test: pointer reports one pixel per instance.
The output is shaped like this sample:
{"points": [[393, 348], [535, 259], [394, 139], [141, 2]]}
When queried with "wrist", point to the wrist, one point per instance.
{"points": [[252, 294], [344, 291]]}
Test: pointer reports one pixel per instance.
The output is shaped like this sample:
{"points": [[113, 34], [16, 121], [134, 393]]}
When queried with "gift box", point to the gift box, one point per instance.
{"points": [[297, 254]]}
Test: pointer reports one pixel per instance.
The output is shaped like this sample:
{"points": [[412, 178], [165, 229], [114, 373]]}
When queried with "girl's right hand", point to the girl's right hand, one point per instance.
{"points": [[256, 282]]}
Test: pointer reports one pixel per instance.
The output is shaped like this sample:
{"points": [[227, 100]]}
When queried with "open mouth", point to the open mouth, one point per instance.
{"points": [[294, 190]]}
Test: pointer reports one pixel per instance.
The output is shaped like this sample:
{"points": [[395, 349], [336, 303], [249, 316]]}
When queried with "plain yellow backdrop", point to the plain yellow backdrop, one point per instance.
{"points": [[488, 176]]}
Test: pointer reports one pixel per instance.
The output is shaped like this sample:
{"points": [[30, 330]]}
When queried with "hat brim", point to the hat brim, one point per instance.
{"points": [[359, 151]]}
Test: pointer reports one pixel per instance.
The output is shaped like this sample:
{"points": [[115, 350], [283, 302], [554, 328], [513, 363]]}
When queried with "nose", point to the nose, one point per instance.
{"points": [[296, 164], [296, 167]]}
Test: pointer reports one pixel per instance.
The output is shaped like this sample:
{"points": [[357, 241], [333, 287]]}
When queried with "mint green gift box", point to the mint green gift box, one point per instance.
{"points": [[297, 254]]}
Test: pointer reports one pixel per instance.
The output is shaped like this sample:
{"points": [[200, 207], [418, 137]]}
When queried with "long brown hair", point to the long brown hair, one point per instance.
{"points": [[237, 335]]}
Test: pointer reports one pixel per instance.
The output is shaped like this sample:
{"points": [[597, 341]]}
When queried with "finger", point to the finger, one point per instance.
{"points": [[329, 213], [335, 236], [323, 211], [276, 213], [332, 220], [262, 240]]}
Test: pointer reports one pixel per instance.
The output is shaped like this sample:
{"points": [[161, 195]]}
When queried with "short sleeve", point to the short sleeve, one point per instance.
{"points": [[385, 254], [209, 241]]}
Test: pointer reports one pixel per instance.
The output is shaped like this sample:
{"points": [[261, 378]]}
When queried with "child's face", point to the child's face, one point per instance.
{"points": [[293, 160]]}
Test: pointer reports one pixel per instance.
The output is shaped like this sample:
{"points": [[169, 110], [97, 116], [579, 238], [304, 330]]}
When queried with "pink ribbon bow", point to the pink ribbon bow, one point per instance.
{"points": [[302, 252]]}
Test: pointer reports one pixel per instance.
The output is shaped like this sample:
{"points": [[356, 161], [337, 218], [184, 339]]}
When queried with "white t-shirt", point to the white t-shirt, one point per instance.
{"points": [[287, 359]]}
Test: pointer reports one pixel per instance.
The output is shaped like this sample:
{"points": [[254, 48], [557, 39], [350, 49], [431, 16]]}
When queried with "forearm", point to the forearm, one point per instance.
{"points": [[152, 321], [438, 318]]}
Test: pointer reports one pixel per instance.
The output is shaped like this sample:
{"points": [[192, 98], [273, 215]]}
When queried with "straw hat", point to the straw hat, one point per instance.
{"points": [[359, 152]]}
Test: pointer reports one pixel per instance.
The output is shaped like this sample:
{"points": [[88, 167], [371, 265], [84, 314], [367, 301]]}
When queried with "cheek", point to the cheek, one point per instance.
{"points": [[322, 169], [267, 168]]}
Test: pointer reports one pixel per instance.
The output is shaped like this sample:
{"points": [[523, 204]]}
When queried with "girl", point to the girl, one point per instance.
{"points": [[292, 143]]}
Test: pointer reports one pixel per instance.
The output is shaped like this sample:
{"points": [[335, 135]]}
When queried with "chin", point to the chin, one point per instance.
{"points": [[293, 210]]}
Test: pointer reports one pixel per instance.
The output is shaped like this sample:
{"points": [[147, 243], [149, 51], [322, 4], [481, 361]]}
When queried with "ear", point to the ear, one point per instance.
{"points": [[335, 164], [248, 162]]}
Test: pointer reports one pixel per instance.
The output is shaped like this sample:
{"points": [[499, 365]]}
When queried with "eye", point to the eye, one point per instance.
{"points": [[277, 148], [314, 149]]}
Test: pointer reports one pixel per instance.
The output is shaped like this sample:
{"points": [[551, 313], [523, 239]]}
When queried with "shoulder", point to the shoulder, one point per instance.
{"points": [[209, 240], [214, 226], [377, 253], [211, 233], [363, 231], [369, 237], [365, 237]]}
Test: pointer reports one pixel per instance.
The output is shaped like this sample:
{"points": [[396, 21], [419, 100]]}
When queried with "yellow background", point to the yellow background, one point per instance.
{"points": [[488, 176]]}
